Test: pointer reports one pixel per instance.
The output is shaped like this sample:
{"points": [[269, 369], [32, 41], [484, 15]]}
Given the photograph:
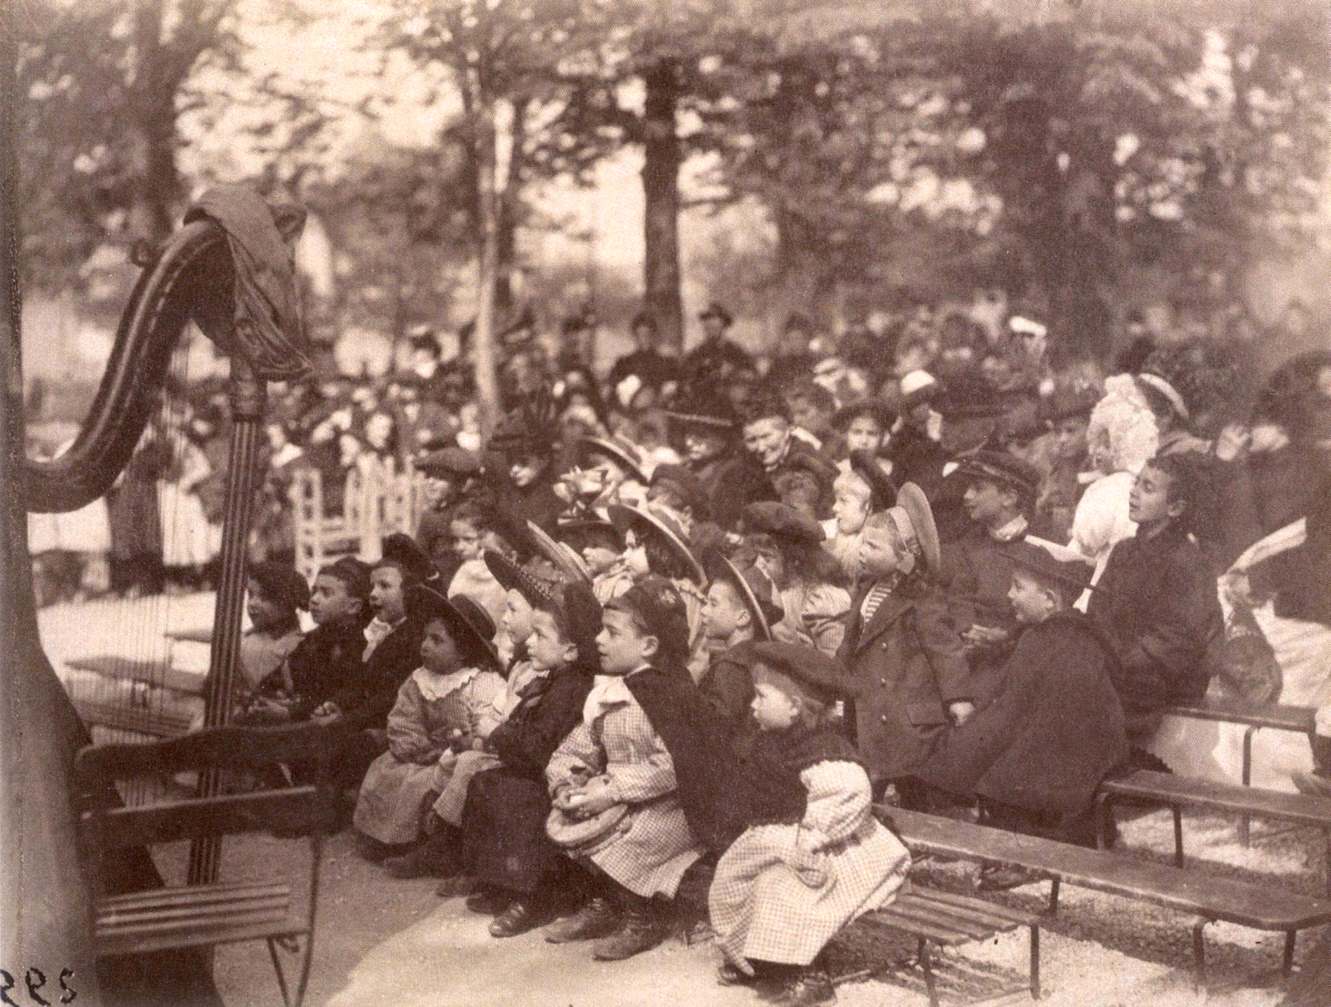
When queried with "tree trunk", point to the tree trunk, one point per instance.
{"points": [[483, 349], [152, 123], [660, 186]]}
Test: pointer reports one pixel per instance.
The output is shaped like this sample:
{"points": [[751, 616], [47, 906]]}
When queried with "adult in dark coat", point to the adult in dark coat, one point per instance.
{"points": [[654, 368], [716, 358], [1157, 598], [1037, 752], [706, 423]]}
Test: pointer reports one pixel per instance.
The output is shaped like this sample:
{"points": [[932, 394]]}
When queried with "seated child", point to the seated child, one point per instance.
{"points": [[505, 848], [447, 705], [472, 535], [657, 544], [602, 548], [901, 646], [328, 658], [275, 594], [741, 607], [813, 857], [613, 780], [862, 489]]}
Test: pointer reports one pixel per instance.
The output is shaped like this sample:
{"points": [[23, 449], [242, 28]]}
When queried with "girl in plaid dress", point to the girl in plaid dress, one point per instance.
{"points": [[813, 857]]}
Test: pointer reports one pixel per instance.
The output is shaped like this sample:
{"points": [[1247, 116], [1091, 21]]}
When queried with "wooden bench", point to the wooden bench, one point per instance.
{"points": [[215, 912], [1204, 896], [1235, 710], [948, 920], [1178, 792]]}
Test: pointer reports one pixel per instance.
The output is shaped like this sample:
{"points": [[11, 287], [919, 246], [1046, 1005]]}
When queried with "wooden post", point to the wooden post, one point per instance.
{"points": [[248, 396]]}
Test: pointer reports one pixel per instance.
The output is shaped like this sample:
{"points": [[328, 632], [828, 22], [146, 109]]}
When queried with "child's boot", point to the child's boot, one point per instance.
{"points": [[598, 916], [1318, 782], [434, 856], [807, 987], [644, 927]]}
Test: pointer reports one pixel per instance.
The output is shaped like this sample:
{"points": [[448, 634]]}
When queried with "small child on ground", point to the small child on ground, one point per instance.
{"points": [[275, 595], [813, 857], [448, 705]]}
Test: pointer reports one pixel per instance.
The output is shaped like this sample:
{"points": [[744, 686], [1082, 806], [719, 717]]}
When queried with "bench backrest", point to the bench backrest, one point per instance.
{"points": [[1236, 710]]}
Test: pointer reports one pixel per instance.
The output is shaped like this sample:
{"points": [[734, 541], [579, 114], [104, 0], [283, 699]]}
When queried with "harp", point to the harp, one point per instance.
{"points": [[199, 273]]}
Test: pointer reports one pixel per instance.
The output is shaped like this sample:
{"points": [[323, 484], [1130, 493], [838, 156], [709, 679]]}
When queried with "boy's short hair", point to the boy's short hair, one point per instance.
{"points": [[353, 574], [658, 610]]}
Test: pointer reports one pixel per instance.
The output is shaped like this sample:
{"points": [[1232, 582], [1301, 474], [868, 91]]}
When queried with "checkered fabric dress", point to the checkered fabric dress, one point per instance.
{"points": [[651, 848], [781, 892]]}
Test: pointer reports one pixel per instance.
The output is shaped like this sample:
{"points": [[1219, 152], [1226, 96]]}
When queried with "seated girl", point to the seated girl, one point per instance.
{"points": [[275, 595], [813, 858], [448, 705]]}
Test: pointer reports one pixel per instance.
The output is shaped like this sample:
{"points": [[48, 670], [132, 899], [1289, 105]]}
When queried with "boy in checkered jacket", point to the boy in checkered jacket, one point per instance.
{"points": [[813, 857]]}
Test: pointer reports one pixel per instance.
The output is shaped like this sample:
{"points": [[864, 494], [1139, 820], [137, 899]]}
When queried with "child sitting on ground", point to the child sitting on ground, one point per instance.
{"points": [[448, 705], [472, 534], [518, 871], [275, 595], [618, 803], [813, 857], [602, 548], [328, 658]]}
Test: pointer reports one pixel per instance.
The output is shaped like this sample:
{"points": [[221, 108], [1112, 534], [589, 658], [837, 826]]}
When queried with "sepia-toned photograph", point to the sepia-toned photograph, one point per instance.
{"points": [[612, 503]]}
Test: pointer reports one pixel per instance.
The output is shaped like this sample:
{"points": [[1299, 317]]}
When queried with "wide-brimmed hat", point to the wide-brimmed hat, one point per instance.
{"points": [[876, 409], [915, 518], [823, 676], [281, 583], [782, 521], [753, 587], [564, 557], [622, 453], [513, 577], [468, 623], [715, 310], [706, 407], [582, 529], [882, 490], [665, 528], [1050, 562], [415, 563]]}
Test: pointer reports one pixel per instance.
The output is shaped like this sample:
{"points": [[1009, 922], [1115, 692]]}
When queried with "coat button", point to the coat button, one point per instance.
{"points": [[882, 719], [884, 645], [883, 682]]}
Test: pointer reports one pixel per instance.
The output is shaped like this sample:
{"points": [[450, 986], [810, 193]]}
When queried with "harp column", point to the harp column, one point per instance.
{"points": [[248, 394]]}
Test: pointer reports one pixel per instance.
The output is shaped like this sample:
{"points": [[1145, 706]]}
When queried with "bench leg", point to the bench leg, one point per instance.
{"points": [[1178, 835], [927, 966], [1199, 954], [277, 967], [1244, 835], [1053, 897], [1035, 962], [1103, 814], [1287, 960]]}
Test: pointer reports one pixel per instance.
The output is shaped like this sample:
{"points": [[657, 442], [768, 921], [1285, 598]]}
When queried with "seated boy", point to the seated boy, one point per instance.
{"points": [[1035, 755], [740, 608], [613, 780]]}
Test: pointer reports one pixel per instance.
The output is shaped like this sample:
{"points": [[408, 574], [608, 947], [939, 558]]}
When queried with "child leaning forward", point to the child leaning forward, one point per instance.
{"points": [[813, 857]]}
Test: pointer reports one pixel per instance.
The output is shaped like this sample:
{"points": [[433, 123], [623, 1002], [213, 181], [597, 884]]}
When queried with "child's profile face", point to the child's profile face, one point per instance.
{"points": [[330, 600], [635, 554], [701, 446], [264, 613], [386, 595], [850, 507], [546, 646], [1070, 438], [599, 558], [878, 553], [622, 644], [772, 709], [466, 540], [985, 501], [723, 612], [438, 651], [1149, 501], [864, 434], [525, 470], [1030, 600], [517, 618]]}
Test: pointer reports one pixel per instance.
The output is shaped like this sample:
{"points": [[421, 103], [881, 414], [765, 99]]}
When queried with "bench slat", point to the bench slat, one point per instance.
{"points": [[1260, 906], [886, 917], [220, 933], [136, 670], [977, 907], [270, 907], [1146, 785], [223, 916], [935, 916], [1245, 711], [157, 723], [193, 893]]}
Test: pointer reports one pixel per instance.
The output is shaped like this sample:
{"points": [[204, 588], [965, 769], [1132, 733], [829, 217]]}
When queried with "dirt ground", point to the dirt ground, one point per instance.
{"points": [[385, 941]]}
